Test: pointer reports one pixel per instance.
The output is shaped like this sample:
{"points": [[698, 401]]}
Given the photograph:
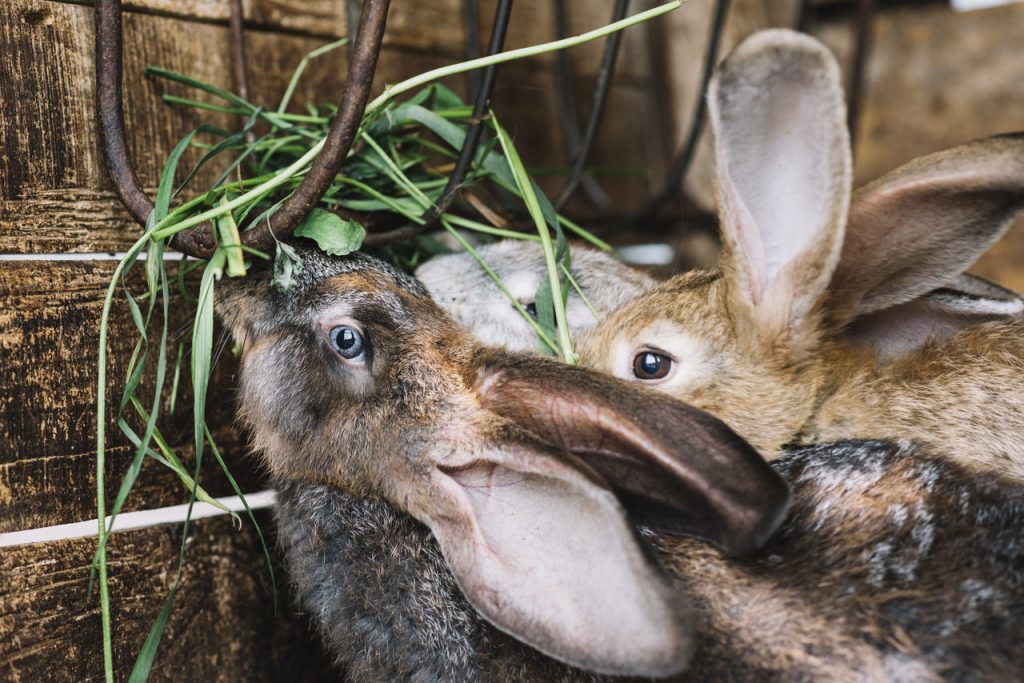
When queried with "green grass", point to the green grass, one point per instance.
{"points": [[398, 165]]}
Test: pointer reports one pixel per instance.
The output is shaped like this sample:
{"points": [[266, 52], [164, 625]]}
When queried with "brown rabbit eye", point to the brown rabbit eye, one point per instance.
{"points": [[650, 365], [348, 342]]}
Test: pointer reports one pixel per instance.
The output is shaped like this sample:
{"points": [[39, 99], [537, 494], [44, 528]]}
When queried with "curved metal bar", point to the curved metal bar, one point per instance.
{"points": [[111, 116], [362, 66], [481, 106], [471, 25], [567, 108], [863, 34], [112, 133], [199, 240], [238, 59], [674, 178], [602, 88]]}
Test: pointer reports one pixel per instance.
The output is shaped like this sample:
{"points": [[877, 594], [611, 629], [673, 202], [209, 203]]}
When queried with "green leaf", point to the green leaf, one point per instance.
{"points": [[144, 662], [545, 307], [445, 98], [287, 265], [332, 233]]}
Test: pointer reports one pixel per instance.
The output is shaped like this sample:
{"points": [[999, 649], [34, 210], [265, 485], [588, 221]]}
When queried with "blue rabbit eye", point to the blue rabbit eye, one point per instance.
{"points": [[651, 365], [348, 342]]}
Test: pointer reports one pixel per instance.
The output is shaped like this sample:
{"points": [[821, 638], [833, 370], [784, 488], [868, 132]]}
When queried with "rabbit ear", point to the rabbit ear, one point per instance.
{"points": [[937, 315], [783, 169], [675, 467], [536, 538], [541, 548], [921, 225]]}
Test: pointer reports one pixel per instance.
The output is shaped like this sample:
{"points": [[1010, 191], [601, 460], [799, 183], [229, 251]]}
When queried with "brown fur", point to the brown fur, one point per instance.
{"points": [[817, 328], [892, 565], [962, 396]]}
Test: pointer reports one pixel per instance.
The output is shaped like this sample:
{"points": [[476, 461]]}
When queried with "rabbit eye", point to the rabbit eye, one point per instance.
{"points": [[348, 342], [651, 365], [531, 308]]}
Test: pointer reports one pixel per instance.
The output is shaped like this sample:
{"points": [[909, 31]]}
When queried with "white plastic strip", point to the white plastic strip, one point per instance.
{"points": [[168, 256], [969, 5], [138, 519], [646, 254]]}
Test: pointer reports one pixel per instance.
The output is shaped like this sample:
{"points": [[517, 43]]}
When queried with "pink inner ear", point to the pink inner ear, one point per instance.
{"points": [[545, 554]]}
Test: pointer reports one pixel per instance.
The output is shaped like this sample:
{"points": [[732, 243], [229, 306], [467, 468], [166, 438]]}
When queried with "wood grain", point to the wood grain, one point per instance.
{"points": [[531, 23], [223, 626], [54, 195], [936, 79], [49, 337]]}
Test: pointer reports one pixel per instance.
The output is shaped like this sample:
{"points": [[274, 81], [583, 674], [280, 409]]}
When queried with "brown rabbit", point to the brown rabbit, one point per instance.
{"points": [[815, 328], [446, 512]]}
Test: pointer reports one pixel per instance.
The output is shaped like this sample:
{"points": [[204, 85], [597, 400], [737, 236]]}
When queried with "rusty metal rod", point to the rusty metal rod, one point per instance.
{"points": [[481, 105], [111, 125], [862, 35], [238, 58], [199, 241], [471, 26], [674, 179], [602, 89], [111, 116], [342, 134], [567, 108]]}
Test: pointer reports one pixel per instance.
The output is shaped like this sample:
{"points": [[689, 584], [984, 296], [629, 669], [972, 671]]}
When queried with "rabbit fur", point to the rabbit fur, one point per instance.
{"points": [[892, 564], [460, 286], [926, 586], [832, 317]]}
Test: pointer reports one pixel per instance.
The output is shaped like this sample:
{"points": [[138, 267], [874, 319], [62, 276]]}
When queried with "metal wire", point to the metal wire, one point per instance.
{"points": [[863, 34], [602, 88], [464, 162], [567, 109], [353, 9], [199, 241], [677, 172], [471, 24], [238, 58]]}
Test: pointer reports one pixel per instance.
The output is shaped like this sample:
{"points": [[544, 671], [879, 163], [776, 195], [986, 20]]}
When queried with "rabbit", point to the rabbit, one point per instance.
{"points": [[461, 287], [833, 318], [453, 511]]}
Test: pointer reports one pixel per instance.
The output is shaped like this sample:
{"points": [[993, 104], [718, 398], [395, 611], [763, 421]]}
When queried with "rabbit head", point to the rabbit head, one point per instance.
{"points": [[811, 280], [355, 380], [461, 286]]}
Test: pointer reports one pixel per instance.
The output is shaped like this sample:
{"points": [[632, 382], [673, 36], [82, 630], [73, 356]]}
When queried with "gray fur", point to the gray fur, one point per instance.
{"points": [[949, 575]]}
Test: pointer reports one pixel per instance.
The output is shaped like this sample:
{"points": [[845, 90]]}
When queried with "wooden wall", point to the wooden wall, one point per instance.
{"points": [[55, 200]]}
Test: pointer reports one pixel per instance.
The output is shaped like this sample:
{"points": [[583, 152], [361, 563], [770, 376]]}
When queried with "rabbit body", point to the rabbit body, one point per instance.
{"points": [[892, 565], [833, 316], [958, 395], [459, 285]]}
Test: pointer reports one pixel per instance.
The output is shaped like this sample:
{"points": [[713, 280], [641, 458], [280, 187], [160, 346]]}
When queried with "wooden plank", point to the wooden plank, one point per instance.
{"points": [[432, 27], [223, 627], [61, 489], [54, 196], [49, 317], [938, 78], [313, 17]]}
